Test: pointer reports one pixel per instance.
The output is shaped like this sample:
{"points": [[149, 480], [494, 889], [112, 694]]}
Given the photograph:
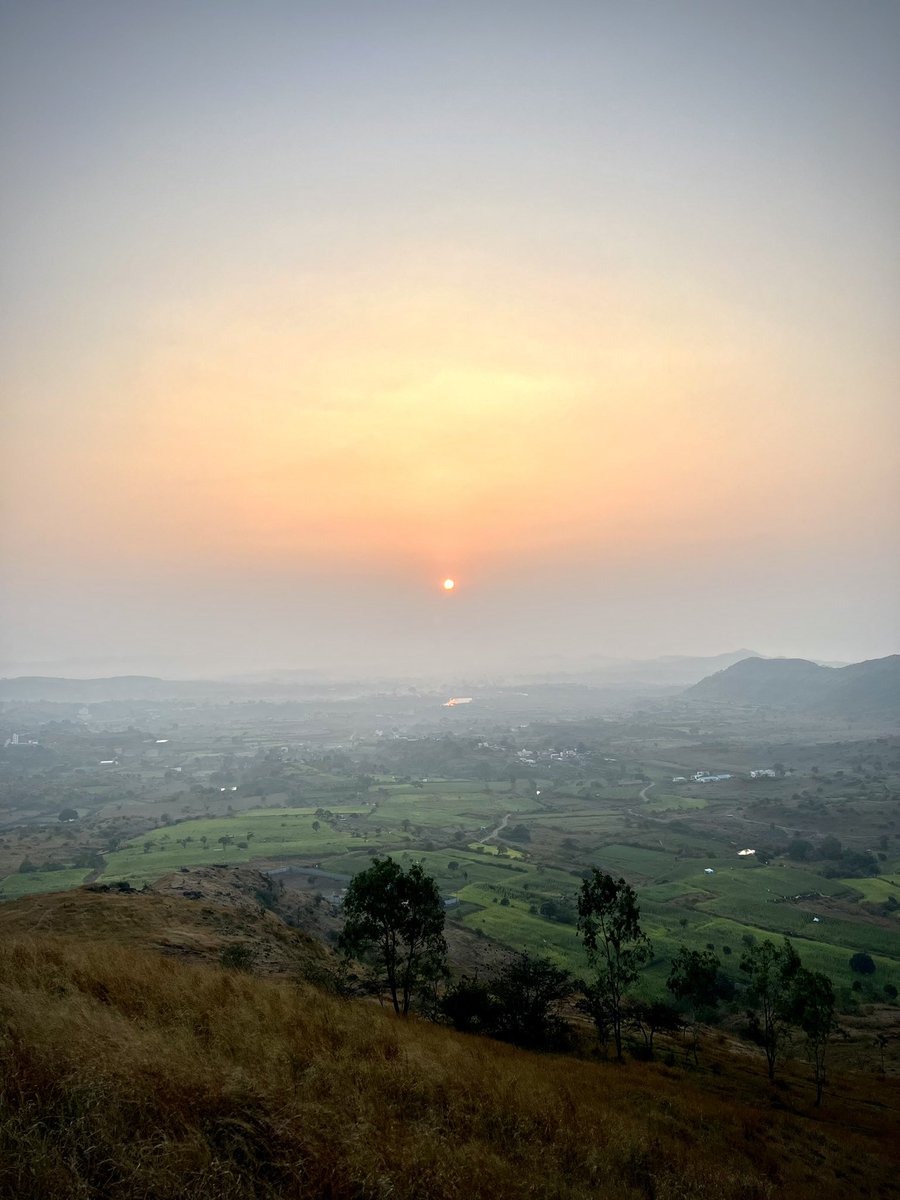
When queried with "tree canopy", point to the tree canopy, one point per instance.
{"points": [[813, 1011], [771, 970], [395, 917], [616, 946]]}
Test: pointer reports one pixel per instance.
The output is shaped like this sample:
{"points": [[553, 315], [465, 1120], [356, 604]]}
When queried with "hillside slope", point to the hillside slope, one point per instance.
{"points": [[130, 1074], [195, 926], [866, 689]]}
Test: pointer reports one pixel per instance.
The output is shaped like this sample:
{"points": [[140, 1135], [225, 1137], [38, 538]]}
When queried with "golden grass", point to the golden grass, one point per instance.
{"points": [[195, 930], [130, 1075]]}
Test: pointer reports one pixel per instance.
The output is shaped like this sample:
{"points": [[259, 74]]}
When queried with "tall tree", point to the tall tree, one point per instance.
{"points": [[693, 980], [396, 918], [616, 946], [771, 970], [812, 1011]]}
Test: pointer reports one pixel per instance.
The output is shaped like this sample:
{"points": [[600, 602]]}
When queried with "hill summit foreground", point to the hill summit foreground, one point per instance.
{"points": [[129, 1072]]}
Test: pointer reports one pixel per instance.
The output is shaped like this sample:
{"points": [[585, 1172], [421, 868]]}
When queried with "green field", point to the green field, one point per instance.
{"points": [[440, 822], [876, 890], [34, 882], [673, 803], [495, 850], [267, 833]]}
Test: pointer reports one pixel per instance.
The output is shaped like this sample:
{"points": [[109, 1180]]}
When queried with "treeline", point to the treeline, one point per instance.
{"points": [[394, 922], [840, 862]]}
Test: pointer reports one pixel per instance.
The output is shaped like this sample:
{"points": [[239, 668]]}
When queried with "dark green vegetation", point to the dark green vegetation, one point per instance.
{"points": [[616, 946], [395, 917], [521, 1002]]}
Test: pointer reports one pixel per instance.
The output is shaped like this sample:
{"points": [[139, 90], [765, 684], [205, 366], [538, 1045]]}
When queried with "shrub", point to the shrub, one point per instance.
{"points": [[237, 957], [862, 963]]}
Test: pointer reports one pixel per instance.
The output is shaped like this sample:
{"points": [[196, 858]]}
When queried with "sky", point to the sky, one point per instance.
{"points": [[589, 306]]}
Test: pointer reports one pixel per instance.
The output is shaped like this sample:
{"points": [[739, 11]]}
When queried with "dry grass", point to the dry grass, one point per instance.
{"points": [[130, 1075], [193, 930]]}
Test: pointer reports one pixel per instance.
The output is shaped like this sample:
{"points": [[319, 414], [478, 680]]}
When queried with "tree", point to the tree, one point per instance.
{"points": [[469, 1005], [693, 979], [616, 946], [69, 814], [862, 963], [799, 849], [526, 992], [812, 1010], [881, 1043], [653, 1018], [396, 917], [519, 833], [771, 970]]}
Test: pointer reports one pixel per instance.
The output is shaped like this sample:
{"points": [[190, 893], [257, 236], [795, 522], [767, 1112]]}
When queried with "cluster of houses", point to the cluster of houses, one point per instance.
{"points": [[531, 758], [706, 777], [701, 777]]}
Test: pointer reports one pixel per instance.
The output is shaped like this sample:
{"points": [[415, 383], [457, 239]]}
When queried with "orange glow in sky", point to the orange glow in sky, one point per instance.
{"points": [[521, 297]]}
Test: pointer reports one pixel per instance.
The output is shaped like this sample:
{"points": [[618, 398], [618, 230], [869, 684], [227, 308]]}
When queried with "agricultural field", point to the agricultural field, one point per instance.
{"points": [[507, 841]]}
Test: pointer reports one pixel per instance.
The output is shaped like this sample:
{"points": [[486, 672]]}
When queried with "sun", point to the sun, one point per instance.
{"points": [[449, 585]]}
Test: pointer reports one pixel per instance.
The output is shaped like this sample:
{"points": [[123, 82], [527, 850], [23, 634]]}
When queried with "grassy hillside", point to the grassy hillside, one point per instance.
{"points": [[130, 1074], [194, 929]]}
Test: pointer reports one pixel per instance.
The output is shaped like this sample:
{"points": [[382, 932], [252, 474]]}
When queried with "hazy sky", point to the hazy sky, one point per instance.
{"points": [[591, 306]]}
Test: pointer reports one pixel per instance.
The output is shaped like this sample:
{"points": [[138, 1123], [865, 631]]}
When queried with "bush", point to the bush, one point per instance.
{"points": [[237, 957], [799, 850], [862, 963], [527, 992], [468, 1005]]}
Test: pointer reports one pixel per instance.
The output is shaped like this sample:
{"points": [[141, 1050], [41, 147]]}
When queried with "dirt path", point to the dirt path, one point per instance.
{"points": [[646, 817], [643, 793], [490, 837], [785, 829]]}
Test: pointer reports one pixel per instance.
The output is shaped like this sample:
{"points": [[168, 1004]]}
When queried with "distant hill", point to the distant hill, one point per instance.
{"points": [[635, 674], [126, 688], [86, 691], [866, 689]]}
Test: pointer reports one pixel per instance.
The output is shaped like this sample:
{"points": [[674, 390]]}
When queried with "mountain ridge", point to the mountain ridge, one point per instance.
{"points": [[868, 688]]}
